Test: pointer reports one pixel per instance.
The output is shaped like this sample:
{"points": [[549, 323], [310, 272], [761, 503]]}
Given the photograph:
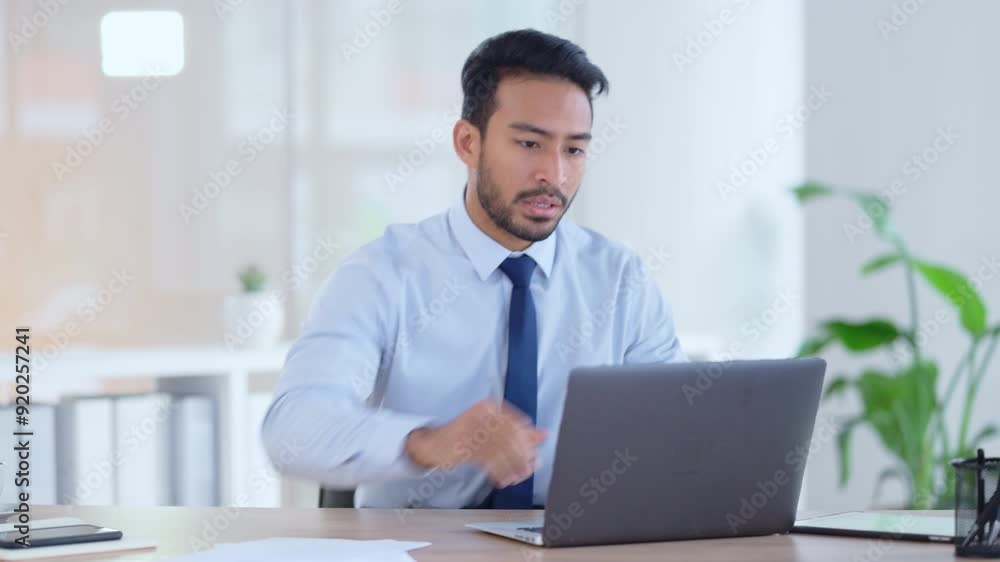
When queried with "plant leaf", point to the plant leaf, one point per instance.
{"points": [[900, 409], [837, 386], [878, 391], [984, 434], [844, 449], [813, 346], [969, 451], [957, 289], [863, 336], [811, 190], [879, 263], [878, 211]]}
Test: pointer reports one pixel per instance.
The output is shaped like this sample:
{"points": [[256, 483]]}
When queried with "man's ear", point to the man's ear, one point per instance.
{"points": [[468, 142]]}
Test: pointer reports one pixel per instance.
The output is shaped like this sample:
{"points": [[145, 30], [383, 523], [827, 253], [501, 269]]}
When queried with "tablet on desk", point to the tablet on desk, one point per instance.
{"points": [[905, 526]]}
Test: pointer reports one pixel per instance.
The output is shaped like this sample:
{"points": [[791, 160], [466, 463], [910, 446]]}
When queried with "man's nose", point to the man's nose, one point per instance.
{"points": [[552, 171]]}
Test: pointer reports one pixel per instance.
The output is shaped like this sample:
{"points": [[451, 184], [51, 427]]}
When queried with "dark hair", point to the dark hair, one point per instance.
{"points": [[525, 51]]}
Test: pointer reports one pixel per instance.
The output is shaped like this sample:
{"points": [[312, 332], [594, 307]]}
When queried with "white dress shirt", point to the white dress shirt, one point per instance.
{"points": [[411, 330]]}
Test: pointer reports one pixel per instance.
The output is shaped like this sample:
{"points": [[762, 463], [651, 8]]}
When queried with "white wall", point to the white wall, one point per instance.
{"points": [[939, 70], [686, 123]]}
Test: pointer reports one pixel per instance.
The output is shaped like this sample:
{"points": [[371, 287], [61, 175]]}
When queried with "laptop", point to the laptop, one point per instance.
{"points": [[677, 451]]}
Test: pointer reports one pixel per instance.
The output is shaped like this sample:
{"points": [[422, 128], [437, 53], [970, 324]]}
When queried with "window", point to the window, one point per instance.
{"points": [[142, 44]]}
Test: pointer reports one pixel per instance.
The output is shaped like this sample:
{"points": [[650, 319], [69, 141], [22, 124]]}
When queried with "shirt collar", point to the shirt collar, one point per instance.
{"points": [[485, 253]]}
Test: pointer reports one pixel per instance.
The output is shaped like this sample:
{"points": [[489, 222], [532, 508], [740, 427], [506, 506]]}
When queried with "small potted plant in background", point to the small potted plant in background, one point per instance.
{"points": [[255, 318]]}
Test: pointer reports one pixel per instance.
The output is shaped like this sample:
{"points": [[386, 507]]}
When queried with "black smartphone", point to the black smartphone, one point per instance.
{"points": [[53, 536]]}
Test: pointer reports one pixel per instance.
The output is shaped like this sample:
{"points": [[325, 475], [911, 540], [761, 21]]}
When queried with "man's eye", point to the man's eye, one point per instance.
{"points": [[576, 151], [528, 144]]}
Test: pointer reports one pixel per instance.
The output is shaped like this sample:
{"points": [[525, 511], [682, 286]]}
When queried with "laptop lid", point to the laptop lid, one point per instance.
{"points": [[682, 451]]}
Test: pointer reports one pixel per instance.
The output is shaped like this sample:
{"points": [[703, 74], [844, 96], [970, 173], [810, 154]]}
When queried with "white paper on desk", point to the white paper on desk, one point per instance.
{"points": [[308, 550]]}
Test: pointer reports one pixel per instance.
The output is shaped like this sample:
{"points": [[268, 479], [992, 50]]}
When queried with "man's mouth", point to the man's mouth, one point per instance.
{"points": [[541, 206]]}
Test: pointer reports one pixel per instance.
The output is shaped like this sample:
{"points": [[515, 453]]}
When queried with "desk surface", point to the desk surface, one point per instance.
{"points": [[177, 530]]}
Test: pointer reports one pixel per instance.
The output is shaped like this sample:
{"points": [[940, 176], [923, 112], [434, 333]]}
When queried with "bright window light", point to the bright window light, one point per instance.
{"points": [[142, 43]]}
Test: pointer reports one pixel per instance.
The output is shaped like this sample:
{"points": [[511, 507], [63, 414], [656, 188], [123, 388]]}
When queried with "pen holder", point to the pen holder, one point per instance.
{"points": [[977, 501]]}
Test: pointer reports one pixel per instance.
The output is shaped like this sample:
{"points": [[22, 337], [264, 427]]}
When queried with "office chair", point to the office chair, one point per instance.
{"points": [[329, 497]]}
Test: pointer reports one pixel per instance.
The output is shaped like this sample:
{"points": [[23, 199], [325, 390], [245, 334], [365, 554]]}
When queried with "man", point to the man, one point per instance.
{"points": [[434, 362]]}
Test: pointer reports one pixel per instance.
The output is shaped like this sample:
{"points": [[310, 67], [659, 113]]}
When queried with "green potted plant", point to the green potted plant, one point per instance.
{"points": [[902, 404], [254, 318]]}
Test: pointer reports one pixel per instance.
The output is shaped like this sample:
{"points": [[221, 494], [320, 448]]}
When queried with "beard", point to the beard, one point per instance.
{"points": [[503, 215]]}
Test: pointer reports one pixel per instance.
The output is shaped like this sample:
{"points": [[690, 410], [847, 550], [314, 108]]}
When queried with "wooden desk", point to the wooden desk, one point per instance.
{"points": [[174, 528]]}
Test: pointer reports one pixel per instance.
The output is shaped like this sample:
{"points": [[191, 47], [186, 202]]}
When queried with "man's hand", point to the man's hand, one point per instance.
{"points": [[493, 434]]}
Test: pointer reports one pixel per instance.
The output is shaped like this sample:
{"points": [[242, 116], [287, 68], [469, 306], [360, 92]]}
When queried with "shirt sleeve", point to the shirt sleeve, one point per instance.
{"points": [[649, 319], [320, 425]]}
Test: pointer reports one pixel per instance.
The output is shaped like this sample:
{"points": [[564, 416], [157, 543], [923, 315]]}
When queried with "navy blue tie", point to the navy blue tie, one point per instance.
{"points": [[521, 386]]}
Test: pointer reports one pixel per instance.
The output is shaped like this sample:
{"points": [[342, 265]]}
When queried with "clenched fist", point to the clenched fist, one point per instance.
{"points": [[495, 435]]}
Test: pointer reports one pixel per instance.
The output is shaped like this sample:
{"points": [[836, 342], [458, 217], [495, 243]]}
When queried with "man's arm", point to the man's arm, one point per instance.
{"points": [[319, 426], [649, 319]]}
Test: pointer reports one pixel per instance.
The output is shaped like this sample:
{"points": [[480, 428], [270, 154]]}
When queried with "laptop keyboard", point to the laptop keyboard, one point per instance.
{"points": [[531, 529]]}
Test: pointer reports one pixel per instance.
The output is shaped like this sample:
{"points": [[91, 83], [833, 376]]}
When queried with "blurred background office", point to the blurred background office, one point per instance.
{"points": [[179, 177]]}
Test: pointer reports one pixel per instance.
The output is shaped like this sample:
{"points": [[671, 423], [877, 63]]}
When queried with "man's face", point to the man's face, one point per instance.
{"points": [[533, 155]]}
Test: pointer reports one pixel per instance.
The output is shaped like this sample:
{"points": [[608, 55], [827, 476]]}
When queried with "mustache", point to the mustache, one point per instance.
{"points": [[542, 191]]}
